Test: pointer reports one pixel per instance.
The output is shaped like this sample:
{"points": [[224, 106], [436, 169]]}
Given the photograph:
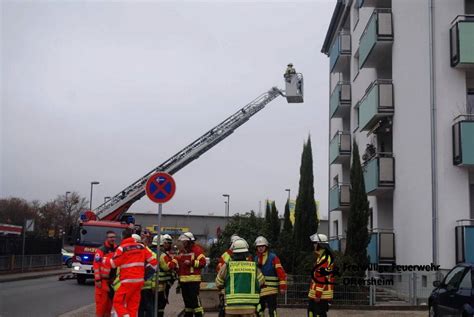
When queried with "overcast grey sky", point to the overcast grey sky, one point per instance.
{"points": [[107, 91]]}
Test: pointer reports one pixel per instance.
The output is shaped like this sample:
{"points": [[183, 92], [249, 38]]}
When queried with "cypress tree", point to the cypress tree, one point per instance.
{"points": [[268, 220], [287, 226], [275, 227], [285, 248], [306, 222], [357, 232]]}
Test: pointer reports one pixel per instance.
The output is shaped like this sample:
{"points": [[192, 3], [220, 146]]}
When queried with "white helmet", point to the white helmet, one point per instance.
{"points": [[137, 238], [187, 236], [155, 240], [165, 238], [261, 240], [234, 237], [319, 238], [240, 246]]}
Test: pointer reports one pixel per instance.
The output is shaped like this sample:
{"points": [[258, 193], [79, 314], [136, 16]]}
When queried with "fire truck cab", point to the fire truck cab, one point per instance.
{"points": [[92, 235]]}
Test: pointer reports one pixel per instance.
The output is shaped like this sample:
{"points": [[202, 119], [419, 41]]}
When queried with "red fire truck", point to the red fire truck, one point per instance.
{"points": [[111, 214]]}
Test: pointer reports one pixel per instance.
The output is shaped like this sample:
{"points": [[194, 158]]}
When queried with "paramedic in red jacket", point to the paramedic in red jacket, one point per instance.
{"points": [[130, 259], [103, 302]]}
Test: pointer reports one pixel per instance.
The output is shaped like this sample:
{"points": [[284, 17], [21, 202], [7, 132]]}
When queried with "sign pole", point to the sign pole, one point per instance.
{"points": [[23, 248], [160, 188], [158, 255]]}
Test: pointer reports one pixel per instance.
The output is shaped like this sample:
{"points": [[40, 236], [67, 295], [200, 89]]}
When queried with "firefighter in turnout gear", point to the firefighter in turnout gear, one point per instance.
{"points": [[321, 290], [275, 277], [146, 307], [103, 300], [225, 257], [241, 281], [130, 258], [191, 261], [168, 267]]}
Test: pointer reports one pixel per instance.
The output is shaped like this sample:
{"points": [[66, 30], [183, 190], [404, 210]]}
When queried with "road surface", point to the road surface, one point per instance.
{"points": [[43, 297]]}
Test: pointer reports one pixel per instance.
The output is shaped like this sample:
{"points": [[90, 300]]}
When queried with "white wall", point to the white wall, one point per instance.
{"points": [[453, 188], [411, 132]]}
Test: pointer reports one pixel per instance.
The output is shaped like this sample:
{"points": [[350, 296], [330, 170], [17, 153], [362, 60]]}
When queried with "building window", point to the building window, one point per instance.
{"points": [[470, 102], [336, 228], [371, 218], [424, 281]]}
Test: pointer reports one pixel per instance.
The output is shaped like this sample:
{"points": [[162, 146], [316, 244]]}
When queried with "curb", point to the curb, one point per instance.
{"points": [[30, 277]]}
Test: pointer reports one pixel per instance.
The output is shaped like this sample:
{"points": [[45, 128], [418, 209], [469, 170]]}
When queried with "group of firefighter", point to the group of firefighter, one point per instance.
{"points": [[126, 276]]}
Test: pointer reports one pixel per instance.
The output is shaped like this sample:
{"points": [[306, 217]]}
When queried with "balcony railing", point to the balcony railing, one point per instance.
{"points": [[463, 140], [340, 148], [376, 104], [374, 3], [340, 100], [338, 243], [465, 240], [375, 44], [379, 174], [340, 197], [340, 54], [381, 248], [462, 41]]}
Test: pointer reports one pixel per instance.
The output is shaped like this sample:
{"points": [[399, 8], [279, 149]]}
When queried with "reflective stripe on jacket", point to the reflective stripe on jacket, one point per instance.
{"points": [[131, 258], [241, 281], [322, 279], [275, 276], [192, 272], [101, 270]]}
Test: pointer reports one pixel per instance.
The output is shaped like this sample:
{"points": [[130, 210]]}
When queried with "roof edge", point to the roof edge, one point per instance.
{"points": [[332, 27]]}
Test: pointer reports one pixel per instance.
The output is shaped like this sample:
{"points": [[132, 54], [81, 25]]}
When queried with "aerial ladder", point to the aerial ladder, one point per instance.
{"points": [[117, 206]]}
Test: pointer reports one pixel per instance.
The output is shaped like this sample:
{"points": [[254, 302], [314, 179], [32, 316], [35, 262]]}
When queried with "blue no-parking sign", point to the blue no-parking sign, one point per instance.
{"points": [[160, 187]]}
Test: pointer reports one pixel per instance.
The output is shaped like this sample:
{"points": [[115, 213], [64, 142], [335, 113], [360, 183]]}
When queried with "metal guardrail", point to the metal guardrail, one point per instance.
{"points": [[29, 262], [399, 288]]}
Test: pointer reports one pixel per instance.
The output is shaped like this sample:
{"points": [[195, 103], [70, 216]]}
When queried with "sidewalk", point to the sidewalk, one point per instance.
{"points": [[176, 305], [32, 275], [174, 310]]}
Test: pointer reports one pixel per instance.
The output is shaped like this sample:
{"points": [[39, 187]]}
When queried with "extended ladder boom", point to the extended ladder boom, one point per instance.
{"points": [[114, 208]]}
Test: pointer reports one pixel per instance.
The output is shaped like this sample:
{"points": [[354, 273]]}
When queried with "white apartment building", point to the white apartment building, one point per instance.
{"points": [[402, 80]]}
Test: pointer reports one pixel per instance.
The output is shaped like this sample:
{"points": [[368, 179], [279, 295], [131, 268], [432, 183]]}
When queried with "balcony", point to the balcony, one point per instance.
{"points": [[463, 141], [376, 104], [340, 53], [374, 3], [340, 148], [375, 44], [465, 241], [381, 248], [340, 197], [379, 174], [340, 100], [462, 42]]}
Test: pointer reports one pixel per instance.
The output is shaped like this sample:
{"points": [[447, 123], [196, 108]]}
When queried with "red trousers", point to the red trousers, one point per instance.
{"points": [[103, 303], [127, 299]]}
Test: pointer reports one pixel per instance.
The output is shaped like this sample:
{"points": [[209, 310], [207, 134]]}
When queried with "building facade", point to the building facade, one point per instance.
{"points": [[402, 86]]}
